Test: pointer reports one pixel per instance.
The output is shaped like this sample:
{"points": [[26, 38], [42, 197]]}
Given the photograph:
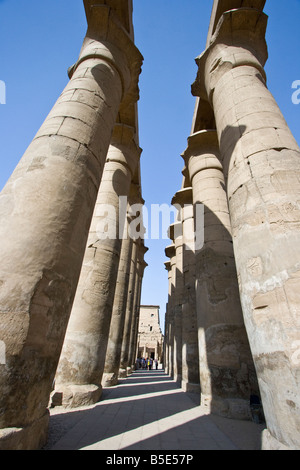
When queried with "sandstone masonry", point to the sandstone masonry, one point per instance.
{"points": [[242, 165]]}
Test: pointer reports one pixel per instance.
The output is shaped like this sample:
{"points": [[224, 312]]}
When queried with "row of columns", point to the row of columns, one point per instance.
{"points": [[242, 166], [82, 359], [62, 281]]}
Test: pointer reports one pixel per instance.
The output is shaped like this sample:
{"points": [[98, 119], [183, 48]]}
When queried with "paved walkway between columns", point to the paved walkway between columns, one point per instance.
{"points": [[148, 411]]}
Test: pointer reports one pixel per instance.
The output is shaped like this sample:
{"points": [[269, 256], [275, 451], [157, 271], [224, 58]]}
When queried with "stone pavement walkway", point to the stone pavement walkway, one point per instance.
{"points": [[148, 411]]}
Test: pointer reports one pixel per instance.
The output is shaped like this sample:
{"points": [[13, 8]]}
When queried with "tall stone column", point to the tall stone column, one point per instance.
{"points": [[167, 319], [171, 254], [113, 353], [141, 266], [134, 313], [190, 353], [176, 235], [262, 166], [46, 210], [124, 361], [227, 374], [81, 364]]}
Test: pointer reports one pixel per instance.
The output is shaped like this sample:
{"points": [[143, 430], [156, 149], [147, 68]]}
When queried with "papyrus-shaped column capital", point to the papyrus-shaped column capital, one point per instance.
{"points": [[135, 196], [202, 152], [168, 266], [106, 38], [170, 253], [184, 232], [239, 40], [126, 152], [143, 250], [175, 231], [142, 265], [183, 197]]}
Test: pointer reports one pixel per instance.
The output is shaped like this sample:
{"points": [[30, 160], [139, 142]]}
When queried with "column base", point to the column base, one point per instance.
{"points": [[190, 387], [271, 443], [109, 379], [32, 437], [232, 408], [177, 378], [75, 396], [122, 373]]}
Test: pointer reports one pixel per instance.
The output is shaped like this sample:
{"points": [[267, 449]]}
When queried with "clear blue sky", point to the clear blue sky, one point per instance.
{"points": [[40, 39]]}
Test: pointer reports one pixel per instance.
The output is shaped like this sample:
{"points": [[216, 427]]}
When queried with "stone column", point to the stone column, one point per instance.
{"points": [[167, 319], [190, 353], [134, 314], [176, 236], [136, 232], [262, 165], [46, 210], [124, 361], [171, 254], [141, 266], [81, 364], [113, 353], [226, 368]]}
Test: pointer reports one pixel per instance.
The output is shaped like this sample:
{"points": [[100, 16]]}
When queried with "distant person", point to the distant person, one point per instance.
{"points": [[256, 409], [156, 364]]}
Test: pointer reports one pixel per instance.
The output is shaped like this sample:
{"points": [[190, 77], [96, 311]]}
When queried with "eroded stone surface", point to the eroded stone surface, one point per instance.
{"points": [[51, 195], [261, 167]]}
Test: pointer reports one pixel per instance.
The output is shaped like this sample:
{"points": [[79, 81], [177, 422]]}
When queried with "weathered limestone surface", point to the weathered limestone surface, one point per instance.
{"points": [[83, 356], [141, 266], [175, 233], [167, 319], [169, 335], [46, 209], [227, 373], [124, 360], [190, 353], [150, 338], [113, 353], [242, 163], [262, 168]]}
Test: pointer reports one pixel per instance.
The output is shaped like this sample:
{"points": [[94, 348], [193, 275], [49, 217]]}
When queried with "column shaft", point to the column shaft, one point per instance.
{"points": [[226, 368], [167, 319], [171, 254], [190, 353], [124, 362], [134, 320], [176, 236], [113, 354], [136, 309]]}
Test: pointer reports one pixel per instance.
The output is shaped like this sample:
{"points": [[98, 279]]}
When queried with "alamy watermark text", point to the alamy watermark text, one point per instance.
{"points": [[2, 92], [296, 94], [153, 223]]}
